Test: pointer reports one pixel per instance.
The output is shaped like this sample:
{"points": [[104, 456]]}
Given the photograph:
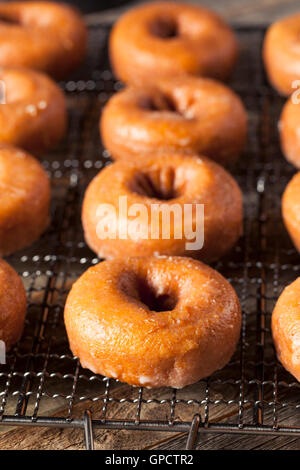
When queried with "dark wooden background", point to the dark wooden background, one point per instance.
{"points": [[237, 11]]}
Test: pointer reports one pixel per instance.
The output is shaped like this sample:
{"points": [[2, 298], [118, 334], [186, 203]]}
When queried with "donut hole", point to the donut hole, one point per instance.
{"points": [[164, 28], [158, 102], [155, 301], [159, 184], [142, 289], [8, 20]]}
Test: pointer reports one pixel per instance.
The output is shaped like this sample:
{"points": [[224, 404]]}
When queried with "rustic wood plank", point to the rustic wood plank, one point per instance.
{"points": [[233, 442], [239, 11], [288, 415], [40, 438]]}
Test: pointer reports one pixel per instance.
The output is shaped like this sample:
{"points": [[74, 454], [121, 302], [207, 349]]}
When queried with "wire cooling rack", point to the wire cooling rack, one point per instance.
{"points": [[42, 384]]}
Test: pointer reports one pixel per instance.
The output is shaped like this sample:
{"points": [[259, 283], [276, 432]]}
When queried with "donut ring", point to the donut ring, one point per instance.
{"points": [[173, 180], [187, 114], [286, 328], [12, 305], [291, 209], [168, 39], [155, 322], [24, 199], [45, 36], [289, 131], [281, 53], [34, 115]]}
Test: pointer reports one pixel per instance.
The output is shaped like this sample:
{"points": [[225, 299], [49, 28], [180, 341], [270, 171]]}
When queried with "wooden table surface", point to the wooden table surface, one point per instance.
{"points": [[237, 11]]}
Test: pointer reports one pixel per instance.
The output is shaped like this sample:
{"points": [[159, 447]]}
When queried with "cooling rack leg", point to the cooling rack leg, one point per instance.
{"points": [[193, 432], [88, 430]]}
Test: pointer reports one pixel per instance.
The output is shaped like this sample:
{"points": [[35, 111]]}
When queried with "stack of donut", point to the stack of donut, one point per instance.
{"points": [[150, 315], [36, 39], [281, 54]]}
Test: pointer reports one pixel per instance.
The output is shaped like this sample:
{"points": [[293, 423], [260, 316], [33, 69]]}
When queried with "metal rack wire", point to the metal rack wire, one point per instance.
{"points": [[253, 393]]}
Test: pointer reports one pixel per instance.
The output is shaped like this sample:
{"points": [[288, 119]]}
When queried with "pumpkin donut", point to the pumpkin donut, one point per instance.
{"points": [[45, 36], [281, 52], [34, 115], [24, 199], [152, 206], [12, 305], [291, 209], [289, 130], [154, 322], [167, 39], [286, 328], [189, 114]]}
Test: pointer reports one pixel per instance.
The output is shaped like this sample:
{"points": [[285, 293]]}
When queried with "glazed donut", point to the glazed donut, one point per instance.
{"points": [[24, 199], [281, 53], [12, 305], [34, 115], [164, 189], [289, 131], [189, 114], [168, 39], [286, 328], [145, 321], [291, 209], [45, 36]]}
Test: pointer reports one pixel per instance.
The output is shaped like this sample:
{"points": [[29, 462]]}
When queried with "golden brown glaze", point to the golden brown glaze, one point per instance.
{"points": [[12, 305], [34, 115], [291, 209], [281, 52], [286, 328], [173, 180], [166, 39], [154, 322], [289, 130], [24, 199], [187, 114], [45, 36]]}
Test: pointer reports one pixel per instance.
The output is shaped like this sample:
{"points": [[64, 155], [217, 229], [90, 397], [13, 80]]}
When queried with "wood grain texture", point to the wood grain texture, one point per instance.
{"points": [[42, 438], [237, 11], [73, 439]]}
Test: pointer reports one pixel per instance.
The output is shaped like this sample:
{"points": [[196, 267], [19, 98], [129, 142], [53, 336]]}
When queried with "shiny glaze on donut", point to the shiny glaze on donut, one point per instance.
{"points": [[190, 114], [165, 39], [154, 322], [281, 52], [24, 199], [168, 180], [286, 328], [289, 130], [34, 116], [291, 209], [45, 36], [12, 305]]}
